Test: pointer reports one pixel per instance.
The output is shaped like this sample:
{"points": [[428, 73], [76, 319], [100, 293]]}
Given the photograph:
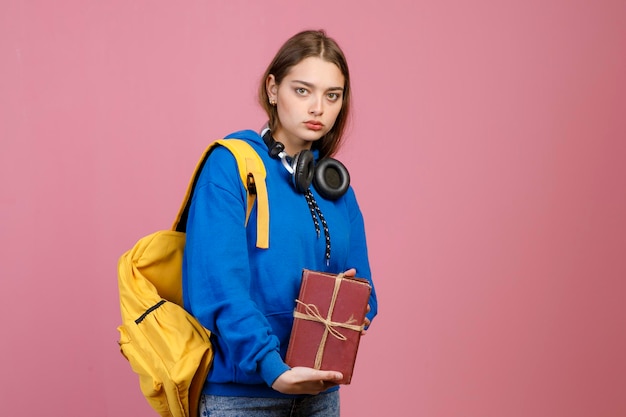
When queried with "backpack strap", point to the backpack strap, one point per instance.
{"points": [[252, 173]]}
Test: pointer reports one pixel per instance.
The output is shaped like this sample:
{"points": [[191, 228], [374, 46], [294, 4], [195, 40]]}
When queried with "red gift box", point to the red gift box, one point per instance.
{"points": [[328, 320]]}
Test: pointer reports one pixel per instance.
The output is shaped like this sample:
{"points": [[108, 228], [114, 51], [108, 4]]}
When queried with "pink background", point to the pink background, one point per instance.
{"points": [[487, 149]]}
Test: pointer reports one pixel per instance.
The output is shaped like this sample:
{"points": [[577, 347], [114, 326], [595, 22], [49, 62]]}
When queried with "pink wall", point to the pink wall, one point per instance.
{"points": [[487, 150]]}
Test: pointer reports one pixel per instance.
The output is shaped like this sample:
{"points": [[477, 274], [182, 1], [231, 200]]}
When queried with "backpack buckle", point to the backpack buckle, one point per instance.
{"points": [[251, 185]]}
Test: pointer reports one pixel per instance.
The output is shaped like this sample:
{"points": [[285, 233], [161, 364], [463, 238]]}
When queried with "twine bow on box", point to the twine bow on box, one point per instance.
{"points": [[313, 314]]}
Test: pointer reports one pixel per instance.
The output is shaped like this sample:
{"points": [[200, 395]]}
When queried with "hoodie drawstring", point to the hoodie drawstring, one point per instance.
{"points": [[315, 213]]}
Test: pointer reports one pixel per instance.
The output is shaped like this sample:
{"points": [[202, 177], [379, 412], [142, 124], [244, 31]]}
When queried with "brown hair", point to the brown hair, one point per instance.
{"points": [[310, 43]]}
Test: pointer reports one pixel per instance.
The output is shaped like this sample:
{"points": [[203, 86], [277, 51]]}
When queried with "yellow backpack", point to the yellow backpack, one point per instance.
{"points": [[166, 346]]}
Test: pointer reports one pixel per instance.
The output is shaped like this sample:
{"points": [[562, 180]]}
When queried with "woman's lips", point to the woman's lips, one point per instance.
{"points": [[313, 125]]}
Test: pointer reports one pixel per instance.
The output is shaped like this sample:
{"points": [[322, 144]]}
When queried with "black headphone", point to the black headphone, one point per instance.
{"points": [[329, 176]]}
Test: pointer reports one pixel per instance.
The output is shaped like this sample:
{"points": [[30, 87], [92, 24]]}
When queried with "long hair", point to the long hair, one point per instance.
{"points": [[310, 43]]}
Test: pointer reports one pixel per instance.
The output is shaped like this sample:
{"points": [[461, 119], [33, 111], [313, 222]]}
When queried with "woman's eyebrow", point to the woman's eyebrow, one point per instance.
{"points": [[310, 85]]}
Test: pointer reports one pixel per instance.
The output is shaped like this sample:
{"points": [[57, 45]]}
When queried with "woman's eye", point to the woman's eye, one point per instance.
{"points": [[333, 96], [301, 91]]}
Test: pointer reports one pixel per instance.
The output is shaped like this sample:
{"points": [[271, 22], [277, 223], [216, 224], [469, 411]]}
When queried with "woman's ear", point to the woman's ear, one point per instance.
{"points": [[271, 87]]}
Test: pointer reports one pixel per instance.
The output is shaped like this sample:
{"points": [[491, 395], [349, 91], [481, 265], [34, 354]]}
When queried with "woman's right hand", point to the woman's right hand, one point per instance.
{"points": [[303, 380]]}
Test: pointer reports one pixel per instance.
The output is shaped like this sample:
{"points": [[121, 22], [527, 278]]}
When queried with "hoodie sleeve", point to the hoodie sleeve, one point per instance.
{"points": [[218, 270], [358, 255]]}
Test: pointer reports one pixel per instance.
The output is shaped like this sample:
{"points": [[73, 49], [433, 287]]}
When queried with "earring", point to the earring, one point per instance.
{"points": [[272, 102]]}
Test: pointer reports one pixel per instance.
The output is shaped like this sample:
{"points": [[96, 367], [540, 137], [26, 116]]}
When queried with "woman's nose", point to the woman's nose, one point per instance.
{"points": [[317, 107]]}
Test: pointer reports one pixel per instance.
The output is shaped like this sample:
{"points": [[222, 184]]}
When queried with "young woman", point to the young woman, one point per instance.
{"points": [[246, 295]]}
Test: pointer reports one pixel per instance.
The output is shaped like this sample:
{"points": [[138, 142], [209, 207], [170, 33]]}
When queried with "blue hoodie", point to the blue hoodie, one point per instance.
{"points": [[245, 295]]}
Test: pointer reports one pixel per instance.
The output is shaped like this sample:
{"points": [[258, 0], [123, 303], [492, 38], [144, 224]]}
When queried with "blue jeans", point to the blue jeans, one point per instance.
{"points": [[321, 405]]}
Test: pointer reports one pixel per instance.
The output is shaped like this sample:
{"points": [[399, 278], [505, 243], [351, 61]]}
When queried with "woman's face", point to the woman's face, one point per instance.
{"points": [[308, 101]]}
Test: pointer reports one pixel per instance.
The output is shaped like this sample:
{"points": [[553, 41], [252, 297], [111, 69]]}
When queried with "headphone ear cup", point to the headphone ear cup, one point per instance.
{"points": [[276, 149], [303, 169], [331, 179]]}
